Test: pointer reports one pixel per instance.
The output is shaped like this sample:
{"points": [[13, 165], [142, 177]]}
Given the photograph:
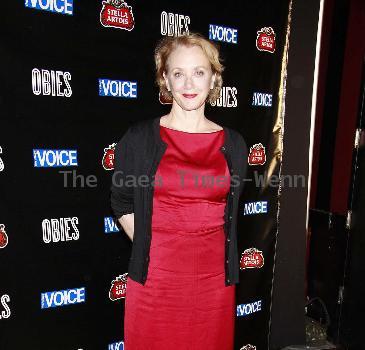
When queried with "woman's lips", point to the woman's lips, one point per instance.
{"points": [[190, 95]]}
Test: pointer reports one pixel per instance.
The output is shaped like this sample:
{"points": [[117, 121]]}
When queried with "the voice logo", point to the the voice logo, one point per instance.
{"points": [[62, 297], [64, 7]]}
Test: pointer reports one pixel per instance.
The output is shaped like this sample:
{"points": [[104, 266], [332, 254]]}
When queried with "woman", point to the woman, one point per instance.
{"points": [[184, 262]]}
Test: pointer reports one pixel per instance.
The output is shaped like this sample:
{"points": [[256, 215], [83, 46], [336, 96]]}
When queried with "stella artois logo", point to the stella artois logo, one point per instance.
{"points": [[265, 40], [257, 155], [248, 347], [252, 258], [3, 237], [108, 158], [117, 14], [164, 100], [118, 289]]}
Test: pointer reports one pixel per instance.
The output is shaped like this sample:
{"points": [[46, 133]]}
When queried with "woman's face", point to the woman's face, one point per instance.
{"points": [[189, 77]]}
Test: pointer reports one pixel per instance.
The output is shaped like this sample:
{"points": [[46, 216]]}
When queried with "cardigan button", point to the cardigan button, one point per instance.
{"points": [[227, 261], [230, 217], [228, 280], [228, 239], [223, 148], [232, 193]]}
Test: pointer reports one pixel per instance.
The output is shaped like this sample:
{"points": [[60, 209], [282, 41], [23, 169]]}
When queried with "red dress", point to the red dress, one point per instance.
{"points": [[184, 304]]}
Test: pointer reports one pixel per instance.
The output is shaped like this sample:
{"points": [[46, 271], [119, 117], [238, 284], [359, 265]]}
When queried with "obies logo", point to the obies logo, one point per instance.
{"points": [[109, 225], [3, 236], [248, 347], [257, 154], [2, 166], [265, 40], [62, 297], [4, 301], [227, 98], [60, 230], [108, 157], [51, 83], [117, 14], [173, 24], [49, 158], [252, 258], [118, 289]]}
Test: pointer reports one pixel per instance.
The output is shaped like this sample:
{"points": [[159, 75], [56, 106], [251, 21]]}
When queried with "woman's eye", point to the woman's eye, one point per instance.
{"points": [[200, 72], [177, 74]]}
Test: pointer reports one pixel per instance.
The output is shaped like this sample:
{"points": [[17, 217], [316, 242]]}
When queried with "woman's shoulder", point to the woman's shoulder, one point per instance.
{"points": [[140, 128], [237, 138], [136, 131]]}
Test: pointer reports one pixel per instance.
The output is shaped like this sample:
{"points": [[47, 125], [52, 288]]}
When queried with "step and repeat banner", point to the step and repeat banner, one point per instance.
{"points": [[75, 75]]}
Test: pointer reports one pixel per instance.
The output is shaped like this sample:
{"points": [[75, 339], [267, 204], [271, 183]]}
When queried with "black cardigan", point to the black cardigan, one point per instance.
{"points": [[136, 159]]}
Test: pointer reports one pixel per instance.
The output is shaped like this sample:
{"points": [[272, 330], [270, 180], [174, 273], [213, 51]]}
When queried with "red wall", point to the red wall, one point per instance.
{"points": [[348, 104]]}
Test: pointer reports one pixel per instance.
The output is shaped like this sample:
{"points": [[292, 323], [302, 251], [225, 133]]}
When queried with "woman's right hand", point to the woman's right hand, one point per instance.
{"points": [[127, 223]]}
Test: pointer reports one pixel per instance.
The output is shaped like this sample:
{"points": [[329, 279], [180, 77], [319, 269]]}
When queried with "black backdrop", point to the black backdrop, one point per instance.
{"points": [[34, 198]]}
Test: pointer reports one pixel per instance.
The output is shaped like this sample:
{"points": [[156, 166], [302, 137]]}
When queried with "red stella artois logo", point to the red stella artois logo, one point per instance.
{"points": [[108, 158], [257, 155], [164, 100], [248, 347], [119, 287], [265, 40], [251, 258], [117, 14], [3, 237]]}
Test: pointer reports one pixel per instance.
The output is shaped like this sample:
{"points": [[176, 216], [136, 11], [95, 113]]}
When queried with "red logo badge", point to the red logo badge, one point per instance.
{"points": [[265, 40], [118, 289], [164, 100], [257, 155], [3, 237], [108, 158], [252, 258], [117, 14]]}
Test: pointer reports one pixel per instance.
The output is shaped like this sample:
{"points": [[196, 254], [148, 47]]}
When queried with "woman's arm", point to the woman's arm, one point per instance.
{"points": [[127, 223], [122, 194]]}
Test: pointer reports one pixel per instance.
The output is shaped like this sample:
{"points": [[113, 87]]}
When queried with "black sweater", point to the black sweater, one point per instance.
{"points": [[136, 159]]}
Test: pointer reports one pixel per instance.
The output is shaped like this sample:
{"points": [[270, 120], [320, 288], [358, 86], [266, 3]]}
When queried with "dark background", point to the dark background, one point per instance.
{"points": [[79, 44]]}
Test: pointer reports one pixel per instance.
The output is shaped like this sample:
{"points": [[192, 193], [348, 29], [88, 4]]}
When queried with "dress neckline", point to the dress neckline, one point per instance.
{"points": [[187, 132]]}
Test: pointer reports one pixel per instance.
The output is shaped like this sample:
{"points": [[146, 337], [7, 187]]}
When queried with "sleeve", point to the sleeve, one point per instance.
{"points": [[122, 191], [243, 151]]}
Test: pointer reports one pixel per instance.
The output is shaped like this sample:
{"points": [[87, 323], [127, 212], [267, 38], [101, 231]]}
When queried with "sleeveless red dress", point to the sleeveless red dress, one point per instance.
{"points": [[184, 304]]}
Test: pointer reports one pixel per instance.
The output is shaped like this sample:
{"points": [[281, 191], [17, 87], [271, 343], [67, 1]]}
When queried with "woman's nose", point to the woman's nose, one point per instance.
{"points": [[188, 83]]}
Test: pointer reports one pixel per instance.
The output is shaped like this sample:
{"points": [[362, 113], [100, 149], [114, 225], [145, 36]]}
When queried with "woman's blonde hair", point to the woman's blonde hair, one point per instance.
{"points": [[168, 44]]}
